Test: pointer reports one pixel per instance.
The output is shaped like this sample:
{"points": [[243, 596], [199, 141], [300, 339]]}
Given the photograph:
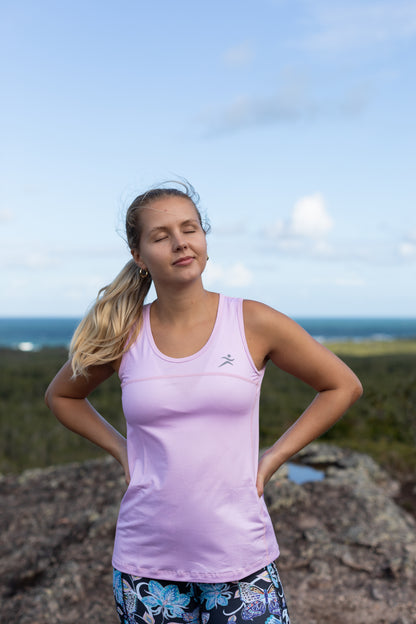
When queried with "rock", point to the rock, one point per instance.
{"points": [[376, 592], [56, 532], [348, 523], [348, 551]]}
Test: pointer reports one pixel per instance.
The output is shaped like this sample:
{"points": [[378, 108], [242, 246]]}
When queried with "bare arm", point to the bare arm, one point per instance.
{"points": [[66, 398], [273, 336]]}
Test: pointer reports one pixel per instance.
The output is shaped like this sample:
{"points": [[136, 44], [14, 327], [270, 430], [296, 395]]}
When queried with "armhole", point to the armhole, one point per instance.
{"points": [[240, 316], [122, 366]]}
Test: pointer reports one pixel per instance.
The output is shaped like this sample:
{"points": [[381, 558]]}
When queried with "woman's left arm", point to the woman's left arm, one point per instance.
{"points": [[273, 336]]}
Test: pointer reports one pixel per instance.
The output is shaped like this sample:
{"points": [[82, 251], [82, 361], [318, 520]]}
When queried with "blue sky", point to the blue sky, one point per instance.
{"points": [[293, 119]]}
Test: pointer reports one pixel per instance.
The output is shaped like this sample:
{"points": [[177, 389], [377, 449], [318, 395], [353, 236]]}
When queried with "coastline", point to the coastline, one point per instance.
{"points": [[363, 348], [381, 424], [355, 347], [34, 334]]}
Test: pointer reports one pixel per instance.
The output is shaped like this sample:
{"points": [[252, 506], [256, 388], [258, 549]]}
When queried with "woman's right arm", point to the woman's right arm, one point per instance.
{"points": [[66, 397]]}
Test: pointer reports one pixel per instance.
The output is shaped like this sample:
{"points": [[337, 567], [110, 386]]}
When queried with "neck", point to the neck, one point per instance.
{"points": [[181, 305]]}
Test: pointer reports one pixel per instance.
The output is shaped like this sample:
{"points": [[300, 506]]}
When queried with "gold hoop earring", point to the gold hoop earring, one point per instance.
{"points": [[143, 273]]}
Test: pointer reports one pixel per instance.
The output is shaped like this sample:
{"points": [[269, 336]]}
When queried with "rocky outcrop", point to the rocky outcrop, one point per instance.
{"points": [[348, 551], [57, 527]]}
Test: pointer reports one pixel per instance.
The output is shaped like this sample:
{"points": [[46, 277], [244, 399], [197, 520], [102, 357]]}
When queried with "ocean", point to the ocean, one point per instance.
{"points": [[33, 334]]}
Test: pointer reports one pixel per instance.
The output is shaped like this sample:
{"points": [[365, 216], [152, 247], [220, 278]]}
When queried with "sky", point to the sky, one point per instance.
{"points": [[293, 119]]}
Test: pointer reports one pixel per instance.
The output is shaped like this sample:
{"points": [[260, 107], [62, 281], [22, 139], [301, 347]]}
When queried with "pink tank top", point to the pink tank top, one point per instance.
{"points": [[191, 511]]}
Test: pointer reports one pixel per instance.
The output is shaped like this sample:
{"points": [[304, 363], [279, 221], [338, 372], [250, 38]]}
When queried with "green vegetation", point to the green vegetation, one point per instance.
{"points": [[30, 436], [382, 423], [371, 347]]}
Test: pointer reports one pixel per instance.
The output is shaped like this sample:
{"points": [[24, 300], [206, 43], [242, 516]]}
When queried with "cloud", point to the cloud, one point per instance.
{"points": [[323, 249], [309, 219], [5, 216], [245, 111], [353, 281], [341, 280], [240, 55], [307, 234], [348, 25], [234, 275], [407, 247], [232, 228], [37, 255], [32, 260], [82, 288], [290, 104]]}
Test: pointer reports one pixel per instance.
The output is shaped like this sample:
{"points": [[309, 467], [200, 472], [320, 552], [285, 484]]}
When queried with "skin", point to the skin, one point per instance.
{"points": [[173, 249]]}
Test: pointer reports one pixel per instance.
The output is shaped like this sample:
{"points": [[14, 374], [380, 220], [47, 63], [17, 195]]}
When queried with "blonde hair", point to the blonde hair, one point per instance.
{"points": [[111, 325]]}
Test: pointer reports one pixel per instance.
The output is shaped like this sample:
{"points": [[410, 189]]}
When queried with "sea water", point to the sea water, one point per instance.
{"points": [[28, 334]]}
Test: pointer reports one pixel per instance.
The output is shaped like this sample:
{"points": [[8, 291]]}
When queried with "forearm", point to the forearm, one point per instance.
{"points": [[327, 407], [324, 411], [81, 417]]}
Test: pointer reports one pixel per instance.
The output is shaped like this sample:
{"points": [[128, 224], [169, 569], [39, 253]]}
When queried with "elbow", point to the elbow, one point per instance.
{"points": [[48, 398], [53, 402], [356, 390]]}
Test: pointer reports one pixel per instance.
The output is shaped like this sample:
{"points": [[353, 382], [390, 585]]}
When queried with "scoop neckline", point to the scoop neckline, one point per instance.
{"points": [[148, 331]]}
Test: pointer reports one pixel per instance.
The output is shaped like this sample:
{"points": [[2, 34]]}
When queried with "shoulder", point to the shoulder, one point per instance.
{"points": [[259, 317], [267, 330], [291, 348], [273, 331]]}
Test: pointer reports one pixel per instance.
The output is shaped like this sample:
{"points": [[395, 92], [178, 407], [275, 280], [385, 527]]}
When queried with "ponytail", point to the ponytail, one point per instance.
{"points": [[105, 333], [110, 327]]}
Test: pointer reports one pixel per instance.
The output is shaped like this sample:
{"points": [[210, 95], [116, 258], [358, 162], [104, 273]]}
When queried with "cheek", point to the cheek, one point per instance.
{"points": [[154, 259], [203, 244]]}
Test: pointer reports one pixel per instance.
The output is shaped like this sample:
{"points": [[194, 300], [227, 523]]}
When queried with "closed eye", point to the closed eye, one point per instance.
{"points": [[163, 235]]}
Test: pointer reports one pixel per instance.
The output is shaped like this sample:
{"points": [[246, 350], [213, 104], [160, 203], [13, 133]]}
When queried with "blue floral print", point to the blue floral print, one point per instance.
{"points": [[165, 600], [192, 617], [258, 598], [215, 594], [118, 586]]}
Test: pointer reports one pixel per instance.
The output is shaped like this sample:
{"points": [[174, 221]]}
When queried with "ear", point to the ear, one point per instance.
{"points": [[137, 259]]}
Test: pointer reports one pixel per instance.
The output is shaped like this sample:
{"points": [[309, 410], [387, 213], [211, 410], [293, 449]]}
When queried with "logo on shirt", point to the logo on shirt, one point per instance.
{"points": [[227, 360]]}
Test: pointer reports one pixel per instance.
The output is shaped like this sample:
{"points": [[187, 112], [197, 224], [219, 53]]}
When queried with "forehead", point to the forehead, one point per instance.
{"points": [[166, 211]]}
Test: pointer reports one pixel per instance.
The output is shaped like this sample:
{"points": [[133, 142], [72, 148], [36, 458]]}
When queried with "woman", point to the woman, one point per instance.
{"points": [[194, 541]]}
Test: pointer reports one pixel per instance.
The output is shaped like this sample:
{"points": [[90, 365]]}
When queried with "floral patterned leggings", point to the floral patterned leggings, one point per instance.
{"points": [[258, 597]]}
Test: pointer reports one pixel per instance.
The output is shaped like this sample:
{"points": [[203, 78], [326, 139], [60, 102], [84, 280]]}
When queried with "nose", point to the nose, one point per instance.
{"points": [[179, 242]]}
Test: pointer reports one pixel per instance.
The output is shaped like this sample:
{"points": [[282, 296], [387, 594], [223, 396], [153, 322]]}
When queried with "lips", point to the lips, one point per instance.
{"points": [[183, 261]]}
